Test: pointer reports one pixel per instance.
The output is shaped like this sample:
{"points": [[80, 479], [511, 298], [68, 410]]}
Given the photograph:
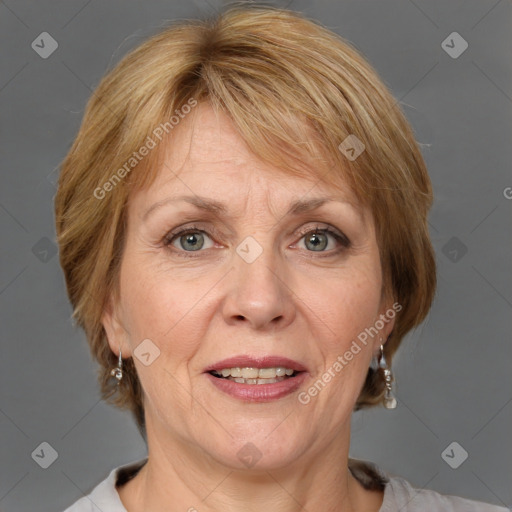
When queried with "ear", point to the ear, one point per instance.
{"points": [[117, 335]]}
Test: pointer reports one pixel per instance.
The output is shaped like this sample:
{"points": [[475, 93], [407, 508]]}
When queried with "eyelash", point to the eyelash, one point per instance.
{"points": [[171, 236]]}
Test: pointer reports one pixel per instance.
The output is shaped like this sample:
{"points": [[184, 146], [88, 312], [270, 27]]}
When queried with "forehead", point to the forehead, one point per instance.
{"points": [[206, 156], [208, 139]]}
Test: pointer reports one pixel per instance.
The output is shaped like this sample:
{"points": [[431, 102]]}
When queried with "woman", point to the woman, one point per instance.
{"points": [[242, 227]]}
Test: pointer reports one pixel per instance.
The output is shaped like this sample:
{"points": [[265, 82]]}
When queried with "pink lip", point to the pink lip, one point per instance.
{"points": [[257, 362], [258, 392]]}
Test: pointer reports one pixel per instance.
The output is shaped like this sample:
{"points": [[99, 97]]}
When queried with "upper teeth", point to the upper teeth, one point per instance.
{"points": [[256, 373]]}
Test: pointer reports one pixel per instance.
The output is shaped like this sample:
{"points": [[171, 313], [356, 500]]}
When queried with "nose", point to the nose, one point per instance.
{"points": [[259, 294]]}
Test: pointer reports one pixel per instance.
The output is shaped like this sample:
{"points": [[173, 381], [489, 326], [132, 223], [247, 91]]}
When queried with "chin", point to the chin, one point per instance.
{"points": [[265, 449]]}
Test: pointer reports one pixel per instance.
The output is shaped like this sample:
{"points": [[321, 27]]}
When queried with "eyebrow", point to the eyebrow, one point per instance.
{"points": [[215, 207]]}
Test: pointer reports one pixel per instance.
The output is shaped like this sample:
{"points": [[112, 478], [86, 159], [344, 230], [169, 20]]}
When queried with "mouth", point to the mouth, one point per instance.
{"points": [[255, 376], [257, 379]]}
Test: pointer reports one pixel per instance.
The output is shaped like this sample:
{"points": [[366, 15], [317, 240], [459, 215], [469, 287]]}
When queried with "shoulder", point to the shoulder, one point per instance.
{"points": [[104, 497], [400, 495]]}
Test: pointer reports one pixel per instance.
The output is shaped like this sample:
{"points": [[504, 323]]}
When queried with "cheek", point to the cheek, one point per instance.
{"points": [[346, 302], [165, 311], [160, 307]]}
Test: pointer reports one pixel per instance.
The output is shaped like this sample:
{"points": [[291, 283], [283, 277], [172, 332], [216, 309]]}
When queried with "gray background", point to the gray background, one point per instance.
{"points": [[453, 374]]}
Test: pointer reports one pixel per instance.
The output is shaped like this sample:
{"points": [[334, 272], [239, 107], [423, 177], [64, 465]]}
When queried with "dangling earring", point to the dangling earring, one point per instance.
{"points": [[117, 372], [389, 399]]}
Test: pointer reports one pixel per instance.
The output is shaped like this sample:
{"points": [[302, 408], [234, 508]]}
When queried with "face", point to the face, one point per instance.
{"points": [[218, 265]]}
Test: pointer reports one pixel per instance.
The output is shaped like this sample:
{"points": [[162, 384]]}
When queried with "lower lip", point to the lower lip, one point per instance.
{"points": [[258, 392]]}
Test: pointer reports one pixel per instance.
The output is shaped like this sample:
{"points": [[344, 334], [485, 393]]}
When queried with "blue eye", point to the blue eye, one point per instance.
{"points": [[321, 240], [189, 240], [317, 240]]}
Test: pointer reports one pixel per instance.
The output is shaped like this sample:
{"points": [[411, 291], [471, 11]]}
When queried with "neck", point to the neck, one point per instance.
{"points": [[192, 481]]}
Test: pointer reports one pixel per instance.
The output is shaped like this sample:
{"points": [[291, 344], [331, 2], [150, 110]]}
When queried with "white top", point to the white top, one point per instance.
{"points": [[399, 495]]}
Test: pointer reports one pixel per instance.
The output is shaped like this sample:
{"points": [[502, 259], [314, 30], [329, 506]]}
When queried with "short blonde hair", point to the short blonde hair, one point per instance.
{"points": [[292, 89]]}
